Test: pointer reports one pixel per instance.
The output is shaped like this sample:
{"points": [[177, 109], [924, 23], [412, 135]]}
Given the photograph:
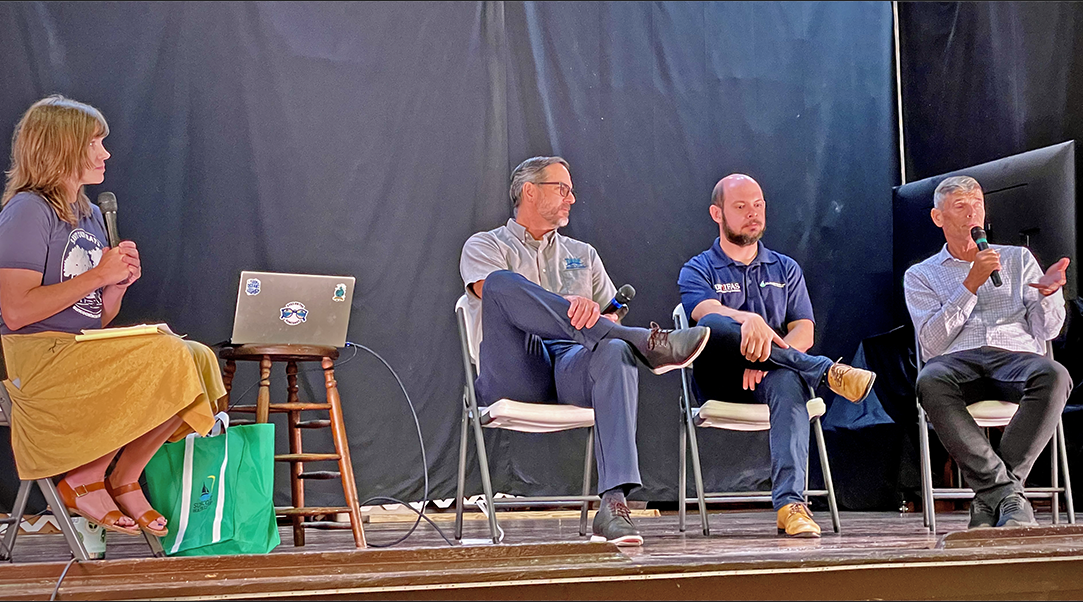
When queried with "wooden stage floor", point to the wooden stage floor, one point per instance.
{"points": [[878, 555]]}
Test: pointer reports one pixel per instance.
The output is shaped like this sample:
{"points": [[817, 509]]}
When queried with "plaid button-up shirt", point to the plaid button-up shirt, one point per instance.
{"points": [[1013, 316]]}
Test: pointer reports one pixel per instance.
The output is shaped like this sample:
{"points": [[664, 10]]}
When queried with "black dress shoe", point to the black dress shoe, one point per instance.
{"points": [[673, 349], [613, 523], [981, 515], [1015, 511]]}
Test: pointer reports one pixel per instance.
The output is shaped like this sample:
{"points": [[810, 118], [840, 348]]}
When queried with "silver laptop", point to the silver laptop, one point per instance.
{"points": [[299, 309]]}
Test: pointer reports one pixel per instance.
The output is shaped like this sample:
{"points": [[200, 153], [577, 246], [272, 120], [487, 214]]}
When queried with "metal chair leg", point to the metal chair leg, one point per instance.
{"points": [[927, 501], [155, 545], [682, 483], [1054, 478], [588, 466], [15, 519], [697, 473], [60, 511], [1064, 469], [829, 484], [460, 499], [486, 481]]}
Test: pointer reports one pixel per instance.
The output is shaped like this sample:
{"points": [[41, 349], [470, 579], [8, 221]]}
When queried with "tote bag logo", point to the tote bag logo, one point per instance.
{"points": [[206, 495]]}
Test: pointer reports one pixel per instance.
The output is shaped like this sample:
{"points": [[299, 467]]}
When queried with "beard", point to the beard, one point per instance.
{"points": [[553, 215], [741, 240]]}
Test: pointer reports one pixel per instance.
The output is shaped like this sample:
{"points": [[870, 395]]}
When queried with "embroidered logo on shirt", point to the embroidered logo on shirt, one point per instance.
{"points": [[764, 283], [574, 263], [727, 287]]}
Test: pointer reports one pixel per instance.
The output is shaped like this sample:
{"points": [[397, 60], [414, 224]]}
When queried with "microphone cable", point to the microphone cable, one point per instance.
{"points": [[424, 464]]}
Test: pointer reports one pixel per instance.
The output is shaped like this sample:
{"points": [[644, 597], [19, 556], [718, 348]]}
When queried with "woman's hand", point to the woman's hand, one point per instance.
{"points": [[121, 265]]}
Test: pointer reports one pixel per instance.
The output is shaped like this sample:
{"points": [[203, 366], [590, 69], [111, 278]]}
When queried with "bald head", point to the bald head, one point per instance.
{"points": [[735, 183], [738, 207]]}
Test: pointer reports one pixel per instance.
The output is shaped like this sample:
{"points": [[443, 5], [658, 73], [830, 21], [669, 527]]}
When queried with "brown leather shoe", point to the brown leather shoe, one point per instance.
{"points": [[795, 520], [852, 383]]}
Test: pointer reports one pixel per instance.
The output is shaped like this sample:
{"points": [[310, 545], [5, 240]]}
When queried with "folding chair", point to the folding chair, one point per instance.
{"points": [[990, 414], [516, 416], [737, 417], [52, 498]]}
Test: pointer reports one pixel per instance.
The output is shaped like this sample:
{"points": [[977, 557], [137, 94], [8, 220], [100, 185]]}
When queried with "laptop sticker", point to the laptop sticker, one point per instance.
{"points": [[294, 313], [251, 286], [340, 293]]}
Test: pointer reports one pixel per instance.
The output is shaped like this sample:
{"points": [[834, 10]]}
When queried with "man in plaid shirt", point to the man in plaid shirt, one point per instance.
{"points": [[983, 341]]}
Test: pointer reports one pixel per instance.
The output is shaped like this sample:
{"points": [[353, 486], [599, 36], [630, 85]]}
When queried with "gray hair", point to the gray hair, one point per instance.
{"points": [[530, 171], [954, 185]]}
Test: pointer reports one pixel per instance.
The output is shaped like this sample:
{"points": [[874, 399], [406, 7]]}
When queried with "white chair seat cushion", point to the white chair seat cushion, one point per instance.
{"points": [[992, 413], [535, 417], [745, 416]]}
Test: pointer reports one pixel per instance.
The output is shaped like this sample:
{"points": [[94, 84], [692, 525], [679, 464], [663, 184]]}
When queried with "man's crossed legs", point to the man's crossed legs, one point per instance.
{"points": [[785, 388], [530, 352]]}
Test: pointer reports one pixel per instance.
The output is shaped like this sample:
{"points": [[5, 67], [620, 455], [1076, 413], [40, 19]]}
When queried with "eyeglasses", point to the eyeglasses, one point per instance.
{"points": [[564, 189]]}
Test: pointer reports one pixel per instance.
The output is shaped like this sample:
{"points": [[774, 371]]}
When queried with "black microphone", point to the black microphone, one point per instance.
{"points": [[978, 234], [625, 294], [107, 202]]}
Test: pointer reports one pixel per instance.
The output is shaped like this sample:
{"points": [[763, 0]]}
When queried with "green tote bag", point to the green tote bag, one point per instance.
{"points": [[217, 491]]}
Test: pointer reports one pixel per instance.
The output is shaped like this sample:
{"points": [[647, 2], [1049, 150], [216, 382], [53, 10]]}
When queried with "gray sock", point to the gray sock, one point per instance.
{"points": [[615, 495]]}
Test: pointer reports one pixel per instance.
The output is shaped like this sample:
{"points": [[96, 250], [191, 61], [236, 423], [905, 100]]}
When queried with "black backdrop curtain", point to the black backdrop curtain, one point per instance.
{"points": [[372, 139]]}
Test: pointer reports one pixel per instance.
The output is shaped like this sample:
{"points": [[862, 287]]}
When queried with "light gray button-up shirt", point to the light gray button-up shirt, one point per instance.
{"points": [[558, 264], [950, 318]]}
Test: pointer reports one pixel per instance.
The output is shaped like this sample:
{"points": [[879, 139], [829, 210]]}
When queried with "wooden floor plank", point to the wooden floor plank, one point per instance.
{"points": [[883, 555]]}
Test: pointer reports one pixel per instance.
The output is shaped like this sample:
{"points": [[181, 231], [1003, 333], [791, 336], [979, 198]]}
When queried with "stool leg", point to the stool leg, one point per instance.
{"points": [[227, 379], [342, 448], [263, 401], [297, 485]]}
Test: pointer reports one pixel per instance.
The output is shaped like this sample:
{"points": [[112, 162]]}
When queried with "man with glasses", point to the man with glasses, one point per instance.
{"points": [[543, 337], [756, 305]]}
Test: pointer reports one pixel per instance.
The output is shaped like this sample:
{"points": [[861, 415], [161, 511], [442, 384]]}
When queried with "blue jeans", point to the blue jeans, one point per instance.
{"points": [[785, 389], [530, 352]]}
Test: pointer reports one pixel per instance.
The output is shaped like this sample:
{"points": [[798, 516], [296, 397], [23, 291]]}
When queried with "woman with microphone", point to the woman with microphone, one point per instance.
{"points": [[77, 404]]}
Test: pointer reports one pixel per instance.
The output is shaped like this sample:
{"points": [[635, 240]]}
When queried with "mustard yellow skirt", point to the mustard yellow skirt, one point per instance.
{"points": [[75, 402]]}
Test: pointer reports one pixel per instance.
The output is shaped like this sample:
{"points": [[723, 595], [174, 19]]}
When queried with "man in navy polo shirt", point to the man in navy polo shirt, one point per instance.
{"points": [[755, 302]]}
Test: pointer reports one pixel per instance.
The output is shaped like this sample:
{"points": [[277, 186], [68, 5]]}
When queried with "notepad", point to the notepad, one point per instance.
{"points": [[93, 334]]}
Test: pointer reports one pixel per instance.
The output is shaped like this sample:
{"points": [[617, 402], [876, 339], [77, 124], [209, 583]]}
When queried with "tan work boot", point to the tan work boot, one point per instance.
{"points": [[852, 383], [795, 520]]}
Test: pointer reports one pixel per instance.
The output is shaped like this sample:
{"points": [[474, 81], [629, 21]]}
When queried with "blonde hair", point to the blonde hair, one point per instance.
{"points": [[50, 145]]}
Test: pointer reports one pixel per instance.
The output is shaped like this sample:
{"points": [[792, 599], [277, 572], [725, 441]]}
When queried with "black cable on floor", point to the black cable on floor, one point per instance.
{"points": [[424, 463]]}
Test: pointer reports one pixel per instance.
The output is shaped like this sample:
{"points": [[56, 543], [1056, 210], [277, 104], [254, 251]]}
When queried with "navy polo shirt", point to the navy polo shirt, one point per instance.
{"points": [[772, 286]]}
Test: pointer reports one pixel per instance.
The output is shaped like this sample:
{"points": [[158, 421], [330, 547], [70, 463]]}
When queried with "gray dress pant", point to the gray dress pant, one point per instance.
{"points": [[530, 352], [1039, 385]]}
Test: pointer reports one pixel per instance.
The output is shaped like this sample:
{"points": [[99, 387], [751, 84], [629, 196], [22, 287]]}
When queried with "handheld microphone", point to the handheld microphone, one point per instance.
{"points": [[978, 234], [107, 202], [625, 294]]}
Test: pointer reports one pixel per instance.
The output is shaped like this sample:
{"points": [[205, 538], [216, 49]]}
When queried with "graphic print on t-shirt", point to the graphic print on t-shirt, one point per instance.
{"points": [[82, 253]]}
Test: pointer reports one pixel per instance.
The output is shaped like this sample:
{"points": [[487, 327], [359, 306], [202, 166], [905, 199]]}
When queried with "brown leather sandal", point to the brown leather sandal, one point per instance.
{"points": [[146, 518], [68, 495]]}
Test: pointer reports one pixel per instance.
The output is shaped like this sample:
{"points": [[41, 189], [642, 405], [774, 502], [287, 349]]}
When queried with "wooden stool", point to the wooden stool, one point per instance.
{"points": [[291, 354]]}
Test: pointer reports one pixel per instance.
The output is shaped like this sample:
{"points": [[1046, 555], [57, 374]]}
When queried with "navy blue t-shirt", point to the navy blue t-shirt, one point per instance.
{"points": [[33, 237], [772, 286]]}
